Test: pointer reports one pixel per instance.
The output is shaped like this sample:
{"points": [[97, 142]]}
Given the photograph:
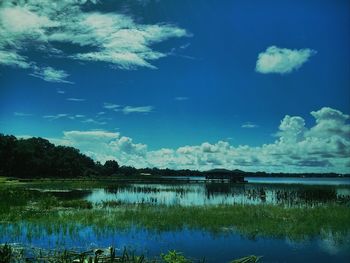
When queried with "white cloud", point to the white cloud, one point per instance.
{"points": [[282, 60], [141, 109], [249, 125], [21, 20], [51, 75], [181, 98], [324, 147], [56, 116], [93, 121], [76, 99], [11, 58], [90, 136], [110, 106], [59, 91], [22, 114], [113, 38], [77, 117]]}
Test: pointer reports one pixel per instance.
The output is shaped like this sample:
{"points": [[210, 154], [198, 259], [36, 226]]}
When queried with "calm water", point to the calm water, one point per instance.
{"points": [[218, 247], [193, 243], [190, 194], [297, 180], [280, 180]]}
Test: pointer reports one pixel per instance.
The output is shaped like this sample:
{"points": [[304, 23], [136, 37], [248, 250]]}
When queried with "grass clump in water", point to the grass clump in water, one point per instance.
{"points": [[80, 204]]}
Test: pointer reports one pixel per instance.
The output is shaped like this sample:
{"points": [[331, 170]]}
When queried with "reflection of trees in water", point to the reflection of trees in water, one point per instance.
{"points": [[317, 195], [213, 189], [289, 195], [117, 188], [286, 195], [334, 242], [145, 189], [73, 194]]}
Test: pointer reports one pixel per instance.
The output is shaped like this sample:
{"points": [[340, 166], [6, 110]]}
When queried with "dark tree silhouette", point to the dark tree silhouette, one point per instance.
{"points": [[110, 167], [37, 157]]}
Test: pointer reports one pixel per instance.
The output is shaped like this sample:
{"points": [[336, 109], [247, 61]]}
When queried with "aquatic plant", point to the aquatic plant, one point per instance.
{"points": [[81, 204], [5, 253], [174, 257], [94, 256], [248, 259]]}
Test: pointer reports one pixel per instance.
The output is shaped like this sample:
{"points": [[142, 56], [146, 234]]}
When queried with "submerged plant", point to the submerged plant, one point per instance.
{"points": [[5, 253], [174, 256], [248, 259]]}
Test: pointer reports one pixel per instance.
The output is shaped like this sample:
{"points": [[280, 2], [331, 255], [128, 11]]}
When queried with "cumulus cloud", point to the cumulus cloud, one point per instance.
{"points": [[103, 145], [45, 26], [324, 147], [282, 60]]}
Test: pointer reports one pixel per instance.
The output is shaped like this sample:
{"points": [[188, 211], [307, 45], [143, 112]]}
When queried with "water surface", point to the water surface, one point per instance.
{"points": [[189, 194]]}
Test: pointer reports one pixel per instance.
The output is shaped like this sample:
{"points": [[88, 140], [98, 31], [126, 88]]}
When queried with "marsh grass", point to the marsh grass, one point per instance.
{"points": [[81, 204], [41, 209], [9, 254], [250, 220]]}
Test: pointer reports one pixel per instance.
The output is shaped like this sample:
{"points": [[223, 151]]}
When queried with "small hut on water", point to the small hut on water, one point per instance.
{"points": [[235, 176]]}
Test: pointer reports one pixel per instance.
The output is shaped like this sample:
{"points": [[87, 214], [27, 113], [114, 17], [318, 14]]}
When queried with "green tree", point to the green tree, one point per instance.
{"points": [[110, 167]]}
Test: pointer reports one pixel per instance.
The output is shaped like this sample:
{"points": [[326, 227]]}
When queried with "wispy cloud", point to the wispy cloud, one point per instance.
{"points": [[142, 109], [114, 38], [11, 58], [110, 106], [249, 125], [93, 121], [184, 46], [59, 91], [282, 60], [22, 114], [51, 75], [56, 116], [181, 98], [75, 99]]}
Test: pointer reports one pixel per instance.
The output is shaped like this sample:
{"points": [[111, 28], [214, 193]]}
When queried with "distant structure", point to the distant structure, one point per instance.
{"points": [[235, 176]]}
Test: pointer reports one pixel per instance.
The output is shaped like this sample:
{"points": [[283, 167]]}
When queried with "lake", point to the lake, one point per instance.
{"points": [[330, 244], [221, 193]]}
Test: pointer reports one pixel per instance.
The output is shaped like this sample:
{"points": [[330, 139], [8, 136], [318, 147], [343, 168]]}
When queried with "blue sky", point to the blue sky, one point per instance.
{"points": [[182, 84]]}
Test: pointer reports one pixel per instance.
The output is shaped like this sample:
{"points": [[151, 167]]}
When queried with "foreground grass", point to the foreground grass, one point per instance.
{"points": [[17, 254], [248, 220], [41, 210]]}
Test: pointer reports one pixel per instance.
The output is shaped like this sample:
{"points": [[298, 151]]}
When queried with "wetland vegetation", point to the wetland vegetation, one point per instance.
{"points": [[62, 203], [65, 217]]}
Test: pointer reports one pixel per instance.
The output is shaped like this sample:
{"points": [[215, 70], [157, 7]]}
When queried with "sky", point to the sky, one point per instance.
{"points": [[185, 84]]}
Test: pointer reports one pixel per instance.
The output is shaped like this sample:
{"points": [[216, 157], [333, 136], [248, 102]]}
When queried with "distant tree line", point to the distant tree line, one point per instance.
{"points": [[37, 157]]}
